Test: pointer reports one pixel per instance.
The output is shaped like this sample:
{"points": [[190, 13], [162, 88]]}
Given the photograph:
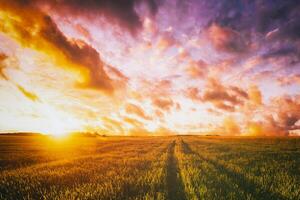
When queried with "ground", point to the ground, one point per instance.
{"points": [[173, 167]]}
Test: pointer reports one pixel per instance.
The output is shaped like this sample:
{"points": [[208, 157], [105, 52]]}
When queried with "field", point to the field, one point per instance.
{"points": [[174, 167]]}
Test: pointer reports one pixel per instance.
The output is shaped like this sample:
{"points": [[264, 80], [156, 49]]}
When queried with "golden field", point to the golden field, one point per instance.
{"points": [[171, 167]]}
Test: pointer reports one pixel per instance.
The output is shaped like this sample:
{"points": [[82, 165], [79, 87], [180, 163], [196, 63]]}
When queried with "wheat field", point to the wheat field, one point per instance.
{"points": [[171, 167]]}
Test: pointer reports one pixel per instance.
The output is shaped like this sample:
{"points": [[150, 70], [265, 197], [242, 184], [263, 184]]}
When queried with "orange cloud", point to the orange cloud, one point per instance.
{"points": [[239, 91], [2, 57], [193, 93], [183, 54], [264, 129], [255, 95], [83, 31], [112, 125], [279, 118], [139, 131], [197, 69], [2, 66], [225, 98], [165, 42], [159, 113], [230, 126], [136, 110], [34, 29], [288, 112], [119, 79], [255, 129], [163, 103], [133, 122]]}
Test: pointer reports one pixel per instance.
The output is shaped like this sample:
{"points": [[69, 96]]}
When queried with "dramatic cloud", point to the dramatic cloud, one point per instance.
{"points": [[166, 66], [121, 12], [287, 112], [34, 29], [225, 98]]}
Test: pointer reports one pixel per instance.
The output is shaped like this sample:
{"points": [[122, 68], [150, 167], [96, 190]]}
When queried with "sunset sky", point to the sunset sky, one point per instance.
{"points": [[134, 67]]}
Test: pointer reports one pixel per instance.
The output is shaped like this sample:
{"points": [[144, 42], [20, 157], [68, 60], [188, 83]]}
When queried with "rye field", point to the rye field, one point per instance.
{"points": [[173, 167]]}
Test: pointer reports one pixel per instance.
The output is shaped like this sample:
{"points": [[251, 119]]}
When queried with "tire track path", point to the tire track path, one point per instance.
{"points": [[175, 185]]}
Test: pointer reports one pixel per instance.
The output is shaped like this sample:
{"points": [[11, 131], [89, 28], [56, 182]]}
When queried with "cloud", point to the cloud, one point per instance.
{"points": [[230, 126], [216, 95], [149, 26], [279, 13], [183, 54], [280, 22], [264, 24], [3, 56], [159, 113], [279, 118], [282, 51], [258, 129], [120, 12], [224, 98], [223, 105], [213, 112], [163, 103], [83, 31], [288, 54], [288, 112], [135, 123], [154, 88], [119, 79], [166, 41], [197, 69], [34, 29], [255, 95], [2, 65], [28, 94], [225, 39], [239, 91], [112, 125], [289, 80], [117, 74], [193, 93], [136, 110]]}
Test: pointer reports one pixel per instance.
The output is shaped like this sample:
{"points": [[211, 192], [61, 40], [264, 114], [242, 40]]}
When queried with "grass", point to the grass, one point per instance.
{"points": [[175, 167]]}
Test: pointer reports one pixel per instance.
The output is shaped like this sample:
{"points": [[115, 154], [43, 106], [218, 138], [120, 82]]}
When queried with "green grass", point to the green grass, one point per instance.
{"points": [[186, 167]]}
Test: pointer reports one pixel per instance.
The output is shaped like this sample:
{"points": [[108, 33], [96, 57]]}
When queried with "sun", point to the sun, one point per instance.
{"points": [[59, 134]]}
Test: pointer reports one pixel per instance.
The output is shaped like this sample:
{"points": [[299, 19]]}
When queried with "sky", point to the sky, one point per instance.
{"points": [[140, 67]]}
